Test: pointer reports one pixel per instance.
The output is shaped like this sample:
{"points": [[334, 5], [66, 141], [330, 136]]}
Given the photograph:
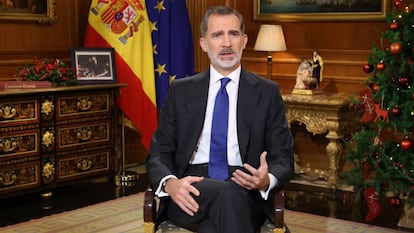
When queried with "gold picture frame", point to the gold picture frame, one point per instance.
{"points": [[318, 10], [40, 11]]}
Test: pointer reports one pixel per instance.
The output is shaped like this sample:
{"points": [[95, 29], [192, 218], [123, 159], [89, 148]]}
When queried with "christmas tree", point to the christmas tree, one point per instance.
{"points": [[382, 153]]}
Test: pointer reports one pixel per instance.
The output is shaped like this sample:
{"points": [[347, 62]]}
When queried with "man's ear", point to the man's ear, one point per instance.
{"points": [[203, 44]]}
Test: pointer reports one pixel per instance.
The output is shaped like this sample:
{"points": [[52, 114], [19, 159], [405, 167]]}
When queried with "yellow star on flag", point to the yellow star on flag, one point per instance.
{"points": [[161, 69]]}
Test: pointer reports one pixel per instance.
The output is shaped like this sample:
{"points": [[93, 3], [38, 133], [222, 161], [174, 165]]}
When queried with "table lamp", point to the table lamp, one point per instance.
{"points": [[270, 39]]}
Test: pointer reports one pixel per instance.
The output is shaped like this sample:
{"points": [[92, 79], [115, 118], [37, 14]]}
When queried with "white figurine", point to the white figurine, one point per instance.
{"points": [[303, 74]]}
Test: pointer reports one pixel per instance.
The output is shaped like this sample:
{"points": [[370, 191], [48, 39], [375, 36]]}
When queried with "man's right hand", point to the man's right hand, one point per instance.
{"points": [[180, 192]]}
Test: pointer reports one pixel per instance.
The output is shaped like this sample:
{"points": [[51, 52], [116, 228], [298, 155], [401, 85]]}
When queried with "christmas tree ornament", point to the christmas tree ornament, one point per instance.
{"points": [[394, 26], [365, 97], [373, 204], [381, 114], [395, 48], [368, 68], [397, 3], [404, 81], [375, 87], [381, 66], [406, 144], [396, 111]]}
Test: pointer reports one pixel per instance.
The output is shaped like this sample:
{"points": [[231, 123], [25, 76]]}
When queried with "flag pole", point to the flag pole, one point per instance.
{"points": [[126, 178]]}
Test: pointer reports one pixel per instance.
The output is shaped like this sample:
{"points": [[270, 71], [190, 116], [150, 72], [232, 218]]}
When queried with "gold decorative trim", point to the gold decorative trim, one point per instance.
{"points": [[47, 107], [8, 111], [279, 230], [8, 178], [48, 139], [49, 16], [8, 144], [84, 164], [48, 172], [322, 114], [149, 227]]}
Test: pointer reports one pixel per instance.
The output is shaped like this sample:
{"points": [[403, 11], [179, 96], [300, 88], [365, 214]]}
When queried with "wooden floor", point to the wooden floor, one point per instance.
{"points": [[299, 197]]}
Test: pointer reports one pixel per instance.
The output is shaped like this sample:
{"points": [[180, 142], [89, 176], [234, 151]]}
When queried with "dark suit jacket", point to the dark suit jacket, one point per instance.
{"points": [[261, 126]]}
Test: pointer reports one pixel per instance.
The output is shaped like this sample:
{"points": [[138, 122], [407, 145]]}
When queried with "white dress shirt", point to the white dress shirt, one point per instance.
{"points": [[202, 153]]}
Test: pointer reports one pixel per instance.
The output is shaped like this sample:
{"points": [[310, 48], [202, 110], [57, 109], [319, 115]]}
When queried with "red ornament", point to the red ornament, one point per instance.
{"points": [[368, 68], [395, 48], [398, 3], [381, 66], [403, 80], [393, 25], [406, 144], [396, 111], [375, 87]]}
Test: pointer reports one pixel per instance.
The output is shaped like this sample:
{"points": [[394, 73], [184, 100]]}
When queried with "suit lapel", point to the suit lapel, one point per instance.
{"points": [[196, 102], [247, 100]]}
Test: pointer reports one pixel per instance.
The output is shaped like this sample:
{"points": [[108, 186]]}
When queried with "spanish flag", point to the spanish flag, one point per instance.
{"points": [[124, 26]]}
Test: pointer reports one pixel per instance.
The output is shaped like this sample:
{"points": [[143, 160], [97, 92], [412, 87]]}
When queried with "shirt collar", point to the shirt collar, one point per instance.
{"points": [[215, 76]]}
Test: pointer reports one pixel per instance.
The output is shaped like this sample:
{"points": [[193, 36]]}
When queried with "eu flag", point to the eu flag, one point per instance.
{"points": [[172, 43]]}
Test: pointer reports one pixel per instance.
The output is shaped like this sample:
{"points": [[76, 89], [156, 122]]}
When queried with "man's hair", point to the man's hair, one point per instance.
{"points": [[220, 10]]}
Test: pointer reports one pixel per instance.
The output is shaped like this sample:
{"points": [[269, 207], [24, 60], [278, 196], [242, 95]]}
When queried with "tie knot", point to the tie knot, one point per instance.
{"points": [[224, 82]]}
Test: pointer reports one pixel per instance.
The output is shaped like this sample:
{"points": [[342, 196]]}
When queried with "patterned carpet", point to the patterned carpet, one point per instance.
{"points": [[125, 215]]}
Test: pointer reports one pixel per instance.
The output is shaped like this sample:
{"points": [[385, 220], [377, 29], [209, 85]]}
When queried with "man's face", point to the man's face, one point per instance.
{"points": [[224, 42]]}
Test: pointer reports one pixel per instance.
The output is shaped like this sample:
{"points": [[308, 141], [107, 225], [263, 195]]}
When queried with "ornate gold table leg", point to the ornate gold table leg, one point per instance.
{"points": [[333, 150]]}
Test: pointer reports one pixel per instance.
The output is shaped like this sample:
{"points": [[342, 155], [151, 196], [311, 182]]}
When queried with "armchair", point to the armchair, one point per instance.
{"points": [[150, 208]]}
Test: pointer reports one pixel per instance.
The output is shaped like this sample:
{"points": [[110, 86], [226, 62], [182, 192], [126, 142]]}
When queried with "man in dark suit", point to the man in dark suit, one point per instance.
{"points": [[258, 147]]}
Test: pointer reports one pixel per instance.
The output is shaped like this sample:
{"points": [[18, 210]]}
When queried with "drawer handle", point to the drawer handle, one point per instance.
{"points": [[8, 112], [8, 144], [7, 178], [84, 104], [84, 134], [84, 164]]}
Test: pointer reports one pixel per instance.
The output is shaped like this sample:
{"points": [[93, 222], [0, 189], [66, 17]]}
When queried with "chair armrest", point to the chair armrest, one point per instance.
{"points": [[150, 208]]}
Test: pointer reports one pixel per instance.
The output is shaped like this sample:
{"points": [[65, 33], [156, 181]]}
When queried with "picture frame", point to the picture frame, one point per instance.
{"points": [[319, 10], [40, 11], [94, 65]]}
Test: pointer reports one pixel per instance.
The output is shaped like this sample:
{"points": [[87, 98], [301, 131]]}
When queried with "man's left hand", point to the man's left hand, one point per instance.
{"points": [[257, 179]]}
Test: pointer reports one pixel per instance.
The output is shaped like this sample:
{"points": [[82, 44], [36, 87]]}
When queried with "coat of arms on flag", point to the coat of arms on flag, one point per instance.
{"points": [[120, 16]]}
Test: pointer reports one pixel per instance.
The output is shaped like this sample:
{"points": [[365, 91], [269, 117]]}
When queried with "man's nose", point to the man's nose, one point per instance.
{"points": [[226, 41]]}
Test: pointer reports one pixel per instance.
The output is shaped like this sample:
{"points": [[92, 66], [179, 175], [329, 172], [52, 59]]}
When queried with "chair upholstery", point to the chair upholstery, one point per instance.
{"points": [[150, 208]]}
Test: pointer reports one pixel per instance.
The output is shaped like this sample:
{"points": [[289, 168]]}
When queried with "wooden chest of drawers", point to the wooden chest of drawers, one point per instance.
{"points": [[50, 137]]}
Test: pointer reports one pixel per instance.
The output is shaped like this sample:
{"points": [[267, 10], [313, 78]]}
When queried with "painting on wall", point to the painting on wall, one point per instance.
{"points": [[41, 11], [320, 10]]}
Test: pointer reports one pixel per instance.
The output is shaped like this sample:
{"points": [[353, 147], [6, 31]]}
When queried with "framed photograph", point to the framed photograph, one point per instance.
{"points": [[320, 10], [94, 65], [41, 11]]}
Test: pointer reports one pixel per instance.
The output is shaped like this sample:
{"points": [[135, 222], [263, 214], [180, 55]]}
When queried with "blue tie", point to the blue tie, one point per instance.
{"points": [[217, 166]]}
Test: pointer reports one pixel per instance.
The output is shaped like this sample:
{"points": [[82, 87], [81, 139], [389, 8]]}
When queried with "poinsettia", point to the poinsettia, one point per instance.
{"points": [[56, 72]]}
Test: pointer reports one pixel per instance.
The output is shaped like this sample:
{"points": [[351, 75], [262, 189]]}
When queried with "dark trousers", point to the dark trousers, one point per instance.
{"points": [[225, 207]]}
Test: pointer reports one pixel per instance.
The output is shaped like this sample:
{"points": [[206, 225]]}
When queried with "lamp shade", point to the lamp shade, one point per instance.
{"points": [[270, 38]]}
